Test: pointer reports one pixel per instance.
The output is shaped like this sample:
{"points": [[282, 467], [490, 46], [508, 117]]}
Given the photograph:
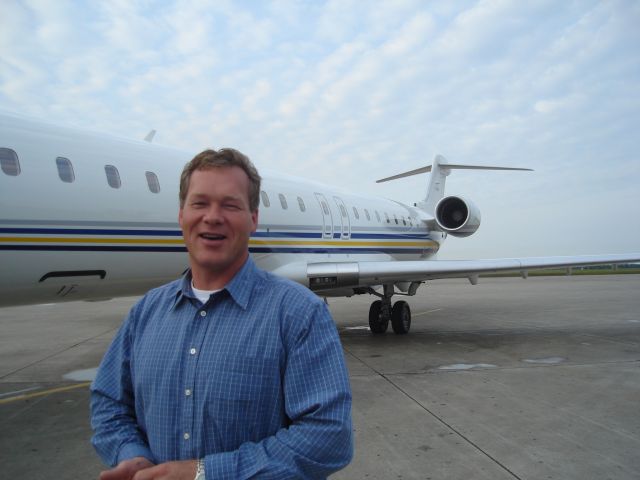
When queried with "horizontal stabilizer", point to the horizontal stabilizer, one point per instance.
{"points": [[450, 166], [440, 169]]}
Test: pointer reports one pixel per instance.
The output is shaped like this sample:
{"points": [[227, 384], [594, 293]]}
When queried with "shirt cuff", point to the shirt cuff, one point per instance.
{"points": [[132, 450], [221, 465]]}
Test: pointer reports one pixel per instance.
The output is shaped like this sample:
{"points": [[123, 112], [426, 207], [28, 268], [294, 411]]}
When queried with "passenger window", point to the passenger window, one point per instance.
{"points": [[265, 199], [343, 211], [366, 212], [386, 216], [65, 170], [283, 201], [355, 212], [301, 204], [404, 222], [113, 177], [9, 162], [153, 182], [325, 208], [378, 217], [395, 218]]}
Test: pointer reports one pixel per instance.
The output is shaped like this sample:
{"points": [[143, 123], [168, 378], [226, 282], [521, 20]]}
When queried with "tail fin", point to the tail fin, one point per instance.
{"points": [[440, 169]]}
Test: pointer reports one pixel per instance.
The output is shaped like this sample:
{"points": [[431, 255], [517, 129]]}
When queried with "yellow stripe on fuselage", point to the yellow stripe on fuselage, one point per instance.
{"points": [[156, 241], [341, 243], [253, 242]]}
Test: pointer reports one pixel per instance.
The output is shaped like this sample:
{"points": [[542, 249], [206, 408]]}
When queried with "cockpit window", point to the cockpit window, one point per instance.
{"points": [[9, 162]]}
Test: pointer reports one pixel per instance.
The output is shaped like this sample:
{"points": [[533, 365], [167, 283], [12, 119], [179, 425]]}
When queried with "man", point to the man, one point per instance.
{"points": [[229, 372]]}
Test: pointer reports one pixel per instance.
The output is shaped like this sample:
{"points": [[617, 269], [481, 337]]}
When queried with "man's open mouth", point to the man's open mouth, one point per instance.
{"points": [[212, 236]]}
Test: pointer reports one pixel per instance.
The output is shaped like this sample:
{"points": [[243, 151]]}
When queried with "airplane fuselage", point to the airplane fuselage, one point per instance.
{"points": [[88, 216]]}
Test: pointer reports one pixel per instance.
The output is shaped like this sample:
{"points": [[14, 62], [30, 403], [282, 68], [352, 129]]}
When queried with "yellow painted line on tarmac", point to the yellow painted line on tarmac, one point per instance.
{"points": [[425, 313], [44, 392]]}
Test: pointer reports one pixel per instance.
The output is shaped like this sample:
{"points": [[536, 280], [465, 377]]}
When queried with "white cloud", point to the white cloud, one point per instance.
{"points": [[366, 89]]}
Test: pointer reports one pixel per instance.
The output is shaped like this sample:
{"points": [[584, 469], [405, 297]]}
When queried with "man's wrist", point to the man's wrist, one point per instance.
{"points": [[200, 470]]}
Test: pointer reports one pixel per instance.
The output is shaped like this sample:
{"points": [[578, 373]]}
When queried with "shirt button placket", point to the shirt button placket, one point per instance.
{"points": [[189, 387], [188, 405]]}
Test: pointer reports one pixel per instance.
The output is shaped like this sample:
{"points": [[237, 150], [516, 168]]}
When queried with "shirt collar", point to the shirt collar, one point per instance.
{"points": [[239, 288]]}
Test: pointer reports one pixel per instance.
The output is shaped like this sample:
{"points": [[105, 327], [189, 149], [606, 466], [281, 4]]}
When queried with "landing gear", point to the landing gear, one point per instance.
{"points": [[381, 312], [378, 323], [401, 317]]}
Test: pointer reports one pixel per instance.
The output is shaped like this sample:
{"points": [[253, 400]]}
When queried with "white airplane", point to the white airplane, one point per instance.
{"points": [[89, 216]]}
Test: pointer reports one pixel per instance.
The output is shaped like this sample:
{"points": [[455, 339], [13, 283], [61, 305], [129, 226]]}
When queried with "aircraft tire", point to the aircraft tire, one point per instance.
{"points": [[401, 317], [377, 322]]}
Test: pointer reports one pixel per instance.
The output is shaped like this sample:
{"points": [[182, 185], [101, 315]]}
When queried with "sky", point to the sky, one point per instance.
{"points": [[346, 92]]}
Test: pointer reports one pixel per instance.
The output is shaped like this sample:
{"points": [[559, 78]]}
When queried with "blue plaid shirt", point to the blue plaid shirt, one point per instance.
{"points": [[253, 381]]}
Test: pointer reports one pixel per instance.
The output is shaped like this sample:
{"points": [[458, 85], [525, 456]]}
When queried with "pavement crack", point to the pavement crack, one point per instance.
{"points": [[452, 428]]}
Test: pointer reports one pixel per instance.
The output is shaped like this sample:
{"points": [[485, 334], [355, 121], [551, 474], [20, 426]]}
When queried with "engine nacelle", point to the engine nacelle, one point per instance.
{"points": [[457, 216]]}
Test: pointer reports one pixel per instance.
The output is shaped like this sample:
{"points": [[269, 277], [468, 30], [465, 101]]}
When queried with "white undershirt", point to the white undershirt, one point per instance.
{"points": [[203, 295]]}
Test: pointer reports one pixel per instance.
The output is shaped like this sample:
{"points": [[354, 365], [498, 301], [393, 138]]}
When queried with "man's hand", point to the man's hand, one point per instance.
{"points": [[126, 469], [183, 470]]}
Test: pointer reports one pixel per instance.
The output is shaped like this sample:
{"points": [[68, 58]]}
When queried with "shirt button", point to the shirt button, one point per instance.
{"points": [[187, 392], [192, 351], [186, 436], [203, 313]]}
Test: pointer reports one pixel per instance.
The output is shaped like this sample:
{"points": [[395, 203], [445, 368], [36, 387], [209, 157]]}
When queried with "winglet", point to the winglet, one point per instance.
{"points": [[150, 135]]}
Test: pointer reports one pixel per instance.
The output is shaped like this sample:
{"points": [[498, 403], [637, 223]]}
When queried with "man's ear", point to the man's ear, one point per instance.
{"points": [[180, 217], [254, 220]]}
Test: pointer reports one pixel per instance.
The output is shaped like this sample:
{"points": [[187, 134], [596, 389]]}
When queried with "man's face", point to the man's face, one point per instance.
{"points": [[216, 223]]}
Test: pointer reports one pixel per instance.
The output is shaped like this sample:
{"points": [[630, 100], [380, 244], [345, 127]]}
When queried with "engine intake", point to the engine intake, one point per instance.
{"points": [[457, 216]]}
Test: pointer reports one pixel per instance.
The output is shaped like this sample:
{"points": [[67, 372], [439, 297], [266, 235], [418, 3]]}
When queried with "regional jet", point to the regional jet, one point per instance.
{"points": [[86, 216]]}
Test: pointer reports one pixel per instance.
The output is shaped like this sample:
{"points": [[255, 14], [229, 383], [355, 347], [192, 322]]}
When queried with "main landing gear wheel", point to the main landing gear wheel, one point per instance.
{"points": [[378, 323], [400, 317]]}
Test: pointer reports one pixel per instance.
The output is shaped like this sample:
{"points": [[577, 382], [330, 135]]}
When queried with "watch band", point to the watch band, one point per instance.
{"points": [[200, 470]]}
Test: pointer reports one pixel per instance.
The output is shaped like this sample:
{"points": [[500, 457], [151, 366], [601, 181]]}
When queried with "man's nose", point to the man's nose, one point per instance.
{"points": [[213, 215]]}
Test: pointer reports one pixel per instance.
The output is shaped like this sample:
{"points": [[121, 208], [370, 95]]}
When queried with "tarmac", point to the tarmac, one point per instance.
{"points": [[508, 379]]}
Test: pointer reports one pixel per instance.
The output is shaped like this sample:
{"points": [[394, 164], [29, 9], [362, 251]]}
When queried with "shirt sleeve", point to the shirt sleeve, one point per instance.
{"points": [[117, 436], [318, 441]]}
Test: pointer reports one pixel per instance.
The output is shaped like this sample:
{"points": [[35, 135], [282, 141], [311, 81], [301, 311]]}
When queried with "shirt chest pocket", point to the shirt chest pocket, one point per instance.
{"points": [[243, 398]]}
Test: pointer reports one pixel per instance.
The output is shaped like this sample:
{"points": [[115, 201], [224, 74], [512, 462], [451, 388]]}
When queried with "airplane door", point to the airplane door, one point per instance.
{"points": [[327, 218], [344, 219]]}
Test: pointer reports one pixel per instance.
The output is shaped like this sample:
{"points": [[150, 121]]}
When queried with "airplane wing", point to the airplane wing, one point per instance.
{"points": [[326, 276]]}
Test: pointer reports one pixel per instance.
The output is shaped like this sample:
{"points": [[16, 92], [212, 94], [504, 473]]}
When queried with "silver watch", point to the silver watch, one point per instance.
{"points": [[200, 470]]}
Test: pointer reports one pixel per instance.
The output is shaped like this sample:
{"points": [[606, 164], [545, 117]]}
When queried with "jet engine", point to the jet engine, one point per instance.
{"points": [[457, 216]]}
